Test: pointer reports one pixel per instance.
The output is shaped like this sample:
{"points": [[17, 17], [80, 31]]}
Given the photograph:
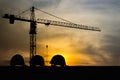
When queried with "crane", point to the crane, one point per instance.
{"points": [[33, 24]]}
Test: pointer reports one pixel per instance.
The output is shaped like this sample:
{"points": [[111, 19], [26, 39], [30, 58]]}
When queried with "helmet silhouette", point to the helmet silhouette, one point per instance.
{"points": [[17, 60], [37, 61], [58, 60]]}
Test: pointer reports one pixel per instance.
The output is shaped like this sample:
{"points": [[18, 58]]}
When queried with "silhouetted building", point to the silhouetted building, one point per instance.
{"points": [[37, 61], [58, 60], [17, 60]]}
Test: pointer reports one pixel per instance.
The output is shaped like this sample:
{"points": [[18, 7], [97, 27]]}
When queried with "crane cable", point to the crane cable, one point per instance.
{"points": [[23, 12], [27, 9], [53, 15]]}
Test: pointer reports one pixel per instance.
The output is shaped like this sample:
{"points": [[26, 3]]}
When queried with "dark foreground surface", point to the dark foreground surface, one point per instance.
{"points": [[60, 73]]}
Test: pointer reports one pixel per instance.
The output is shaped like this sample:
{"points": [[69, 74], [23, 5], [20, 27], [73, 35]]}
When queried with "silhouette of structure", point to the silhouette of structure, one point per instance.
{"points": [[33, 25], [58, 60], [37, 61], [17, 60]]}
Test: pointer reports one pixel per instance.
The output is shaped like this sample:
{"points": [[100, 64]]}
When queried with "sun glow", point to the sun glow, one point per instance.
{"points": [[71, 57]]}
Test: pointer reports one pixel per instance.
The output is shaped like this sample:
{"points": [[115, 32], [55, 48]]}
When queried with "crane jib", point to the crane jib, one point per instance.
{"points": [[12, 18], [69, 25]]}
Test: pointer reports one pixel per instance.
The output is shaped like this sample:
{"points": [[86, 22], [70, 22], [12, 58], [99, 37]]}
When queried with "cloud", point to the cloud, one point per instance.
{"points": [[104, 14], [112, 46], [46, 3], [101, 48]]}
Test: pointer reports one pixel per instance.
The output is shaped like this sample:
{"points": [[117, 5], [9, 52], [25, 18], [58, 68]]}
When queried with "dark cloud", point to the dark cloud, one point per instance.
{"points": [[98, 55], [98, 3], [105, 55], [112, 46], [46, 3], [12, 36], [92, 6]]}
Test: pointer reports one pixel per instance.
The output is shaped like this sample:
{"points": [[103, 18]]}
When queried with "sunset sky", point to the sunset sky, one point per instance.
{"points": [[79, 47]]}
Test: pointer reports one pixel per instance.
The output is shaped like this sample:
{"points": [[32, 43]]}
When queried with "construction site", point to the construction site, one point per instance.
{"points": [[41, 67]]}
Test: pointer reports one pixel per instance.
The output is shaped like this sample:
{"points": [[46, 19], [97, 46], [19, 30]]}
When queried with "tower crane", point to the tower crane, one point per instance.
{"points": [[33, 24]]}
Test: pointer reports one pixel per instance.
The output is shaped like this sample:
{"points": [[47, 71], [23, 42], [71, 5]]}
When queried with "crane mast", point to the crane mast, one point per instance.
{"points": [[33, 26], [32, 33]]}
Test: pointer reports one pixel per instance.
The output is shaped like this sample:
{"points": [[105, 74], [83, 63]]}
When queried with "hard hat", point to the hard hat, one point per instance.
{"points": [[17, 60], [37, 60], [58, 60]]}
